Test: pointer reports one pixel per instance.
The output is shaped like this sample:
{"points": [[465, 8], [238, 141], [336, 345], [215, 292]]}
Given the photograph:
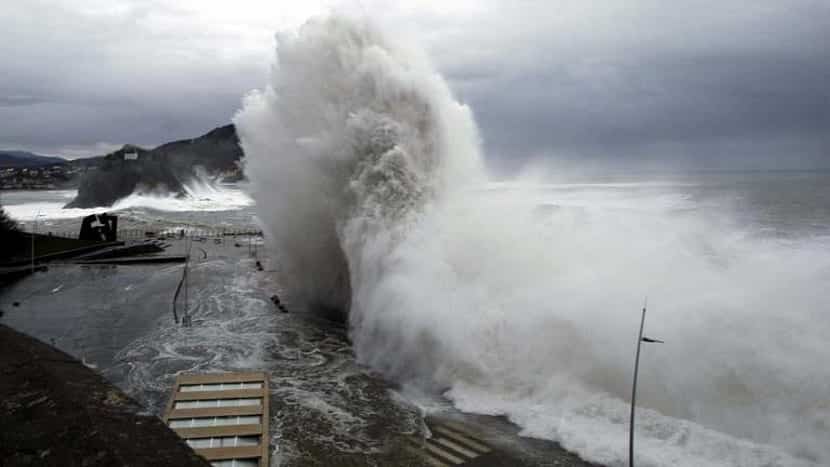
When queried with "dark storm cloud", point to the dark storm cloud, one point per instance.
{"points": [[82, 77], [46, 125], [742, 86], [696, 82], [668, 100]]}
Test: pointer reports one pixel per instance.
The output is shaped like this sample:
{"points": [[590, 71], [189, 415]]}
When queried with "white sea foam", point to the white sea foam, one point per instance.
{"points": [[200, 195], [368, 180]]}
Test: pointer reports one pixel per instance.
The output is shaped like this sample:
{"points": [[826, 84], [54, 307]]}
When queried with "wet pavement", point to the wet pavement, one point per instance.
{"points": [[326, 409]]}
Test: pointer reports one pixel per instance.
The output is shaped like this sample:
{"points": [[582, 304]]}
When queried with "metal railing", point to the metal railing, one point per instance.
{"points": [[172, 233]]}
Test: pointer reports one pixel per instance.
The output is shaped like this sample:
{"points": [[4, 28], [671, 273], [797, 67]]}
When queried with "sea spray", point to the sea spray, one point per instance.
{"points": [[200, 195], [351, 139], [368, 180]]}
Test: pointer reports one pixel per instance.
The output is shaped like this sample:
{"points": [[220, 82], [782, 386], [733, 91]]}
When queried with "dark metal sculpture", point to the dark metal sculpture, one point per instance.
{"points": [[99, 228]]}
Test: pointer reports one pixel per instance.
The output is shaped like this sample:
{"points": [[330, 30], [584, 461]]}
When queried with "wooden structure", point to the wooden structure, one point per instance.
{"points": [[222, 416]]}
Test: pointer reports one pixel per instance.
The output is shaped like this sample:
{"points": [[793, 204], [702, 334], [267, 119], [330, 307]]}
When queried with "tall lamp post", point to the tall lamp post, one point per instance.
{"points": [[640, 340]]}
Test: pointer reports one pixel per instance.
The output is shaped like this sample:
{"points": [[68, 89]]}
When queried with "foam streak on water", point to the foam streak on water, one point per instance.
{"points": [[367, 177], [200, 196]]}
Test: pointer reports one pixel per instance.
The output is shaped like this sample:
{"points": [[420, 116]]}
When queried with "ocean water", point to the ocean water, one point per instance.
{"points": [[522, 297], [205, 206]]}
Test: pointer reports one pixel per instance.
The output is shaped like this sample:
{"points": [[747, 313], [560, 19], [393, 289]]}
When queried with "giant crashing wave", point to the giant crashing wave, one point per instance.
{"points": [[353, 138], [368, 181]]}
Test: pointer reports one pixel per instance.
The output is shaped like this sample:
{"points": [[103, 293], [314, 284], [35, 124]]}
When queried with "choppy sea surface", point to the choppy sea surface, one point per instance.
{"points": [[119, 320]]}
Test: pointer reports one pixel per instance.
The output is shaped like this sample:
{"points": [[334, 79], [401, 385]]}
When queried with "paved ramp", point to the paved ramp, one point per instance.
{"points": [[485, 442], [449, 444]]}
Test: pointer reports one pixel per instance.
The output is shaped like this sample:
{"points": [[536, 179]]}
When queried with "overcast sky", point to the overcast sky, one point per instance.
{"points": [[710, 84]]}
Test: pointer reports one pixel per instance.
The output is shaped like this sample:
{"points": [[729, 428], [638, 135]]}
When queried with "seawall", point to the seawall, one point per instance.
{"points": [[54, 411]]}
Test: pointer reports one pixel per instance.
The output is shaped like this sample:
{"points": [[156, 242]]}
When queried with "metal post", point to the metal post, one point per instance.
{"points": [[186, 319], [634, 391], [34, 230], [640, 339]]}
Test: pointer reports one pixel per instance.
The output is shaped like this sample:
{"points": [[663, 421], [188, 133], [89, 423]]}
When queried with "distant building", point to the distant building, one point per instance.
{"points": [[130, 156]]}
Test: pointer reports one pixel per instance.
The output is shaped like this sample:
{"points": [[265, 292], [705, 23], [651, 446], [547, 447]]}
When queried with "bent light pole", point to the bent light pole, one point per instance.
{"points": [[640, 340]]}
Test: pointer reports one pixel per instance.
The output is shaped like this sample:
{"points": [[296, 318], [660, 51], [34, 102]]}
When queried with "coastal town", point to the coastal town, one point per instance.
{"points": [[53, 177], [169, 164]]}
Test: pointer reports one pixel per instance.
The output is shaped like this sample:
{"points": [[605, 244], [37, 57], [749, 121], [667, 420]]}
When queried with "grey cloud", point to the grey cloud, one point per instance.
{"points": [[19, 100], [74, 78], [746, 83], [732, 80]]}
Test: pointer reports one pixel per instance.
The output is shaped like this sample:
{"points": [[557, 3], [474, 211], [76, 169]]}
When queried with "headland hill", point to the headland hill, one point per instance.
{"points": [[103, 180]]}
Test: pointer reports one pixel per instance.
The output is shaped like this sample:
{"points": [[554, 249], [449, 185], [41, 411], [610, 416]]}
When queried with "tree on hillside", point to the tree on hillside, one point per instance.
{"points": [[6, 222], [9, 236]]}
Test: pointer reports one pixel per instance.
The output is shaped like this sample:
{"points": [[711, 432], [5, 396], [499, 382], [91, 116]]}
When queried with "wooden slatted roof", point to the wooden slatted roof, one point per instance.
{"points": [[222, 416]]}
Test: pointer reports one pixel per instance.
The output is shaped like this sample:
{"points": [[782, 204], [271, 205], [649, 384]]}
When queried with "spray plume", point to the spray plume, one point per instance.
{"points": [[368, 180]]}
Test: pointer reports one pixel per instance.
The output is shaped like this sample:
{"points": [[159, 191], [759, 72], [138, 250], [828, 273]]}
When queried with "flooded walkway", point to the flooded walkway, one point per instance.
{"points": [[326, 410]]}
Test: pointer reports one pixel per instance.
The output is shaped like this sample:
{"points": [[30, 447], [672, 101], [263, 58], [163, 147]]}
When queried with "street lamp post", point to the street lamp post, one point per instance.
{"points": [[640, 340]]}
